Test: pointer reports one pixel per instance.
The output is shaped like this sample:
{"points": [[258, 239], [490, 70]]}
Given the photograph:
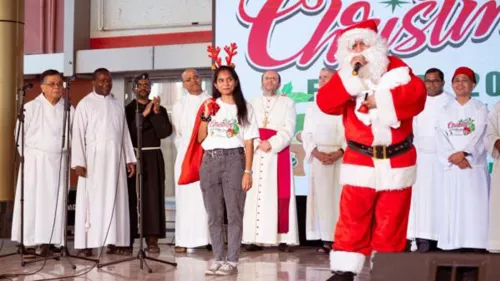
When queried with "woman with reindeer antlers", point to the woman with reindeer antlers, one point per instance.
{"points": [[224, 133]]}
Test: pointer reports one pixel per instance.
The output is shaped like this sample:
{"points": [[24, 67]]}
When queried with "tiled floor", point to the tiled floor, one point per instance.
{"points": [[269, 265]]}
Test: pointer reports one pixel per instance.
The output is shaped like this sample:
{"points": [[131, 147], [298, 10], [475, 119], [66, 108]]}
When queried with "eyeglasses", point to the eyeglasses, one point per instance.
{"points": [[53, 85]]}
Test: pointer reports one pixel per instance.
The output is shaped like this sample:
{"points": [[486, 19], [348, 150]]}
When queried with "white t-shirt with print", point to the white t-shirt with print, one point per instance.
{"points": [[224, 131]]}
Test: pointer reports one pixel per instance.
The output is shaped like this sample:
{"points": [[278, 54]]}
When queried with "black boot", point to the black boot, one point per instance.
{"points": [[252, 248], [342, 276], [282, 247]]}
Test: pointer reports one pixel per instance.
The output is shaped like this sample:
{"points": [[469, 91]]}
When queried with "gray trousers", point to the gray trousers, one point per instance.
{"points": [[221, 173]]}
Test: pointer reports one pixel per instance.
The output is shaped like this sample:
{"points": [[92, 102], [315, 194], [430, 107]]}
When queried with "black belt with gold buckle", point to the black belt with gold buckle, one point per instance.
{"points": [[382, 151]]}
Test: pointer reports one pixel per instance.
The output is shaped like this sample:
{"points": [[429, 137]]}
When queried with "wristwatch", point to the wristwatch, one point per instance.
{"points": [[467, 153]]}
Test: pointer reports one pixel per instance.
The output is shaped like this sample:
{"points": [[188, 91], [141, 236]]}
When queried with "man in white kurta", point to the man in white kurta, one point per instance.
{"points": [[460, 133], [45, 164], [492, 144], [191, 220], [323, 138], [426, 194], [102, 154], [261, 216]]}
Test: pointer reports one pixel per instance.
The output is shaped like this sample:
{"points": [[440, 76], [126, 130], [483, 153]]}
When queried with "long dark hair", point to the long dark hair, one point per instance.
{"points": [[238, 97]]}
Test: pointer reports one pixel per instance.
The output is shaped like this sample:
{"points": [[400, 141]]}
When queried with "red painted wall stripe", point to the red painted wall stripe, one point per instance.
{"points": [[151, 40]]}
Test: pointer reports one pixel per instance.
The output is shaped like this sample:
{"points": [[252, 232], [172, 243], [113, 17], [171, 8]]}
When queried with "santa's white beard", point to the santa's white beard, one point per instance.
{"points": [[377, 62]]}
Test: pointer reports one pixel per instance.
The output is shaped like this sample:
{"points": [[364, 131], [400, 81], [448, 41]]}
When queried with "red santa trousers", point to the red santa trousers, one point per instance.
{"points": [[369, 220]]}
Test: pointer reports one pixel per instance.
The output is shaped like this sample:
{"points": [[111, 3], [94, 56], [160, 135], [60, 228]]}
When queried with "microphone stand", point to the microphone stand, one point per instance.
{"points": [[141, 255], [20, 131]]}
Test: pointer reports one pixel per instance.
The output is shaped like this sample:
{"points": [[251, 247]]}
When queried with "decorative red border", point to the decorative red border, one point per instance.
{"points": [[151, 40]]}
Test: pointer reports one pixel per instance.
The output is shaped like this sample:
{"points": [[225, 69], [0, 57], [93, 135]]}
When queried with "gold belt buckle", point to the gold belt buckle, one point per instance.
{"points": [[384, 152]]}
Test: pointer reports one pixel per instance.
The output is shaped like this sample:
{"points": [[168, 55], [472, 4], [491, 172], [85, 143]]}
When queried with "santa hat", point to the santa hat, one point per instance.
{"points": [[366, 30], [465, 71]]}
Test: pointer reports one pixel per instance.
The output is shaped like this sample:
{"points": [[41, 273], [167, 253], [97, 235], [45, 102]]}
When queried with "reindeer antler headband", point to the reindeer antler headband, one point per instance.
{"points": [[213, 53]]}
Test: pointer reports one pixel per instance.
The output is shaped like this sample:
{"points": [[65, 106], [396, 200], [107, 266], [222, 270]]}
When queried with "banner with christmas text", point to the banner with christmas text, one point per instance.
{"points": [[298, 38]]}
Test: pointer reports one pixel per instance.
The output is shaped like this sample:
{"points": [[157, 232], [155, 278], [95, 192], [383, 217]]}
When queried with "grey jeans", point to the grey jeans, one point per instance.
{"points": [[221, 173]]}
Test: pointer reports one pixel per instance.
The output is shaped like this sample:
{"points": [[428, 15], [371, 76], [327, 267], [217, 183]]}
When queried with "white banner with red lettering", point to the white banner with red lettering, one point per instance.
{"points": [[298, 38]]}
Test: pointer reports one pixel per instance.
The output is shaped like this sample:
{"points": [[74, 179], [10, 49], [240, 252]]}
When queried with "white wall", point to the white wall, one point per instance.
{"points": [[111, 18]]}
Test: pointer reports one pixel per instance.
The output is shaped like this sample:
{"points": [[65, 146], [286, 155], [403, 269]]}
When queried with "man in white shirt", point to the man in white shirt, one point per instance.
{"points": [[102, 156], [191, 221], [426, 197], [461, 129], [44, 166], [323, 138], [270, 211]]}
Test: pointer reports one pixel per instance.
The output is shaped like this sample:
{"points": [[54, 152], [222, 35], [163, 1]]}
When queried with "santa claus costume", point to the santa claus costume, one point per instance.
{"points": [[378, 168]]}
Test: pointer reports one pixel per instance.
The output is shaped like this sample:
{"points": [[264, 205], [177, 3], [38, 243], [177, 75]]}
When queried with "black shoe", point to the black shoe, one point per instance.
{"points": [[342, 276], [55, 249], [208, 247], [282, 247], [252, 248]]}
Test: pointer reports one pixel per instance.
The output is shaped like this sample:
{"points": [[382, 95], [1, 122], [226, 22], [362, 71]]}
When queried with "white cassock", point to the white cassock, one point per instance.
{"points": [[260, 219], [191, 220], [463, 221], [44, 174], [427, 190], [102, 144], [326, 133], [492, 135]]}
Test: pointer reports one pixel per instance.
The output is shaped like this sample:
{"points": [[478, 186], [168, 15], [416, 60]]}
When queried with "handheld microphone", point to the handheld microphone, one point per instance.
{"points": [[356, 68]]}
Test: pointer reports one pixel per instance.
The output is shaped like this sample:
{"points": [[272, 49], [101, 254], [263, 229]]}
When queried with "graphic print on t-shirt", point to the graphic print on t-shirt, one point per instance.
{"points": [[461, 128], [226, 128]]}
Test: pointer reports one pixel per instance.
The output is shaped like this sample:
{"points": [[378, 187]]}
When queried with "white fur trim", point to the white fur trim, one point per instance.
{"points": [[347, 261], [395, 77], [381, 177], [383, 95], [382, 134], [385, 104], [352, 84]]}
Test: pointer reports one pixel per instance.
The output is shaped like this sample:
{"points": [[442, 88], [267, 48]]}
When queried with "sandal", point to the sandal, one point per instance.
{"points": [[153, 249], [325, 249], [28, 253], [124, 251], [152, 243], [180, 250], [85, 252], [111, 250], [45, 250]]}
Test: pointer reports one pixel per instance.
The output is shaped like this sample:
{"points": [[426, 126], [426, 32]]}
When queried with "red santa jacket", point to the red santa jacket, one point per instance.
{"points": [[399, 96]]}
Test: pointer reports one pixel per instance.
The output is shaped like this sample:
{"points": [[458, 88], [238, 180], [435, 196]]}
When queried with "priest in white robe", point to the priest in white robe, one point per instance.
{"points": [[492, 144], [191, 220], [460, 144], [426, 194], [323, 138], [102, 154], [270, 216], [45, 164]]}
